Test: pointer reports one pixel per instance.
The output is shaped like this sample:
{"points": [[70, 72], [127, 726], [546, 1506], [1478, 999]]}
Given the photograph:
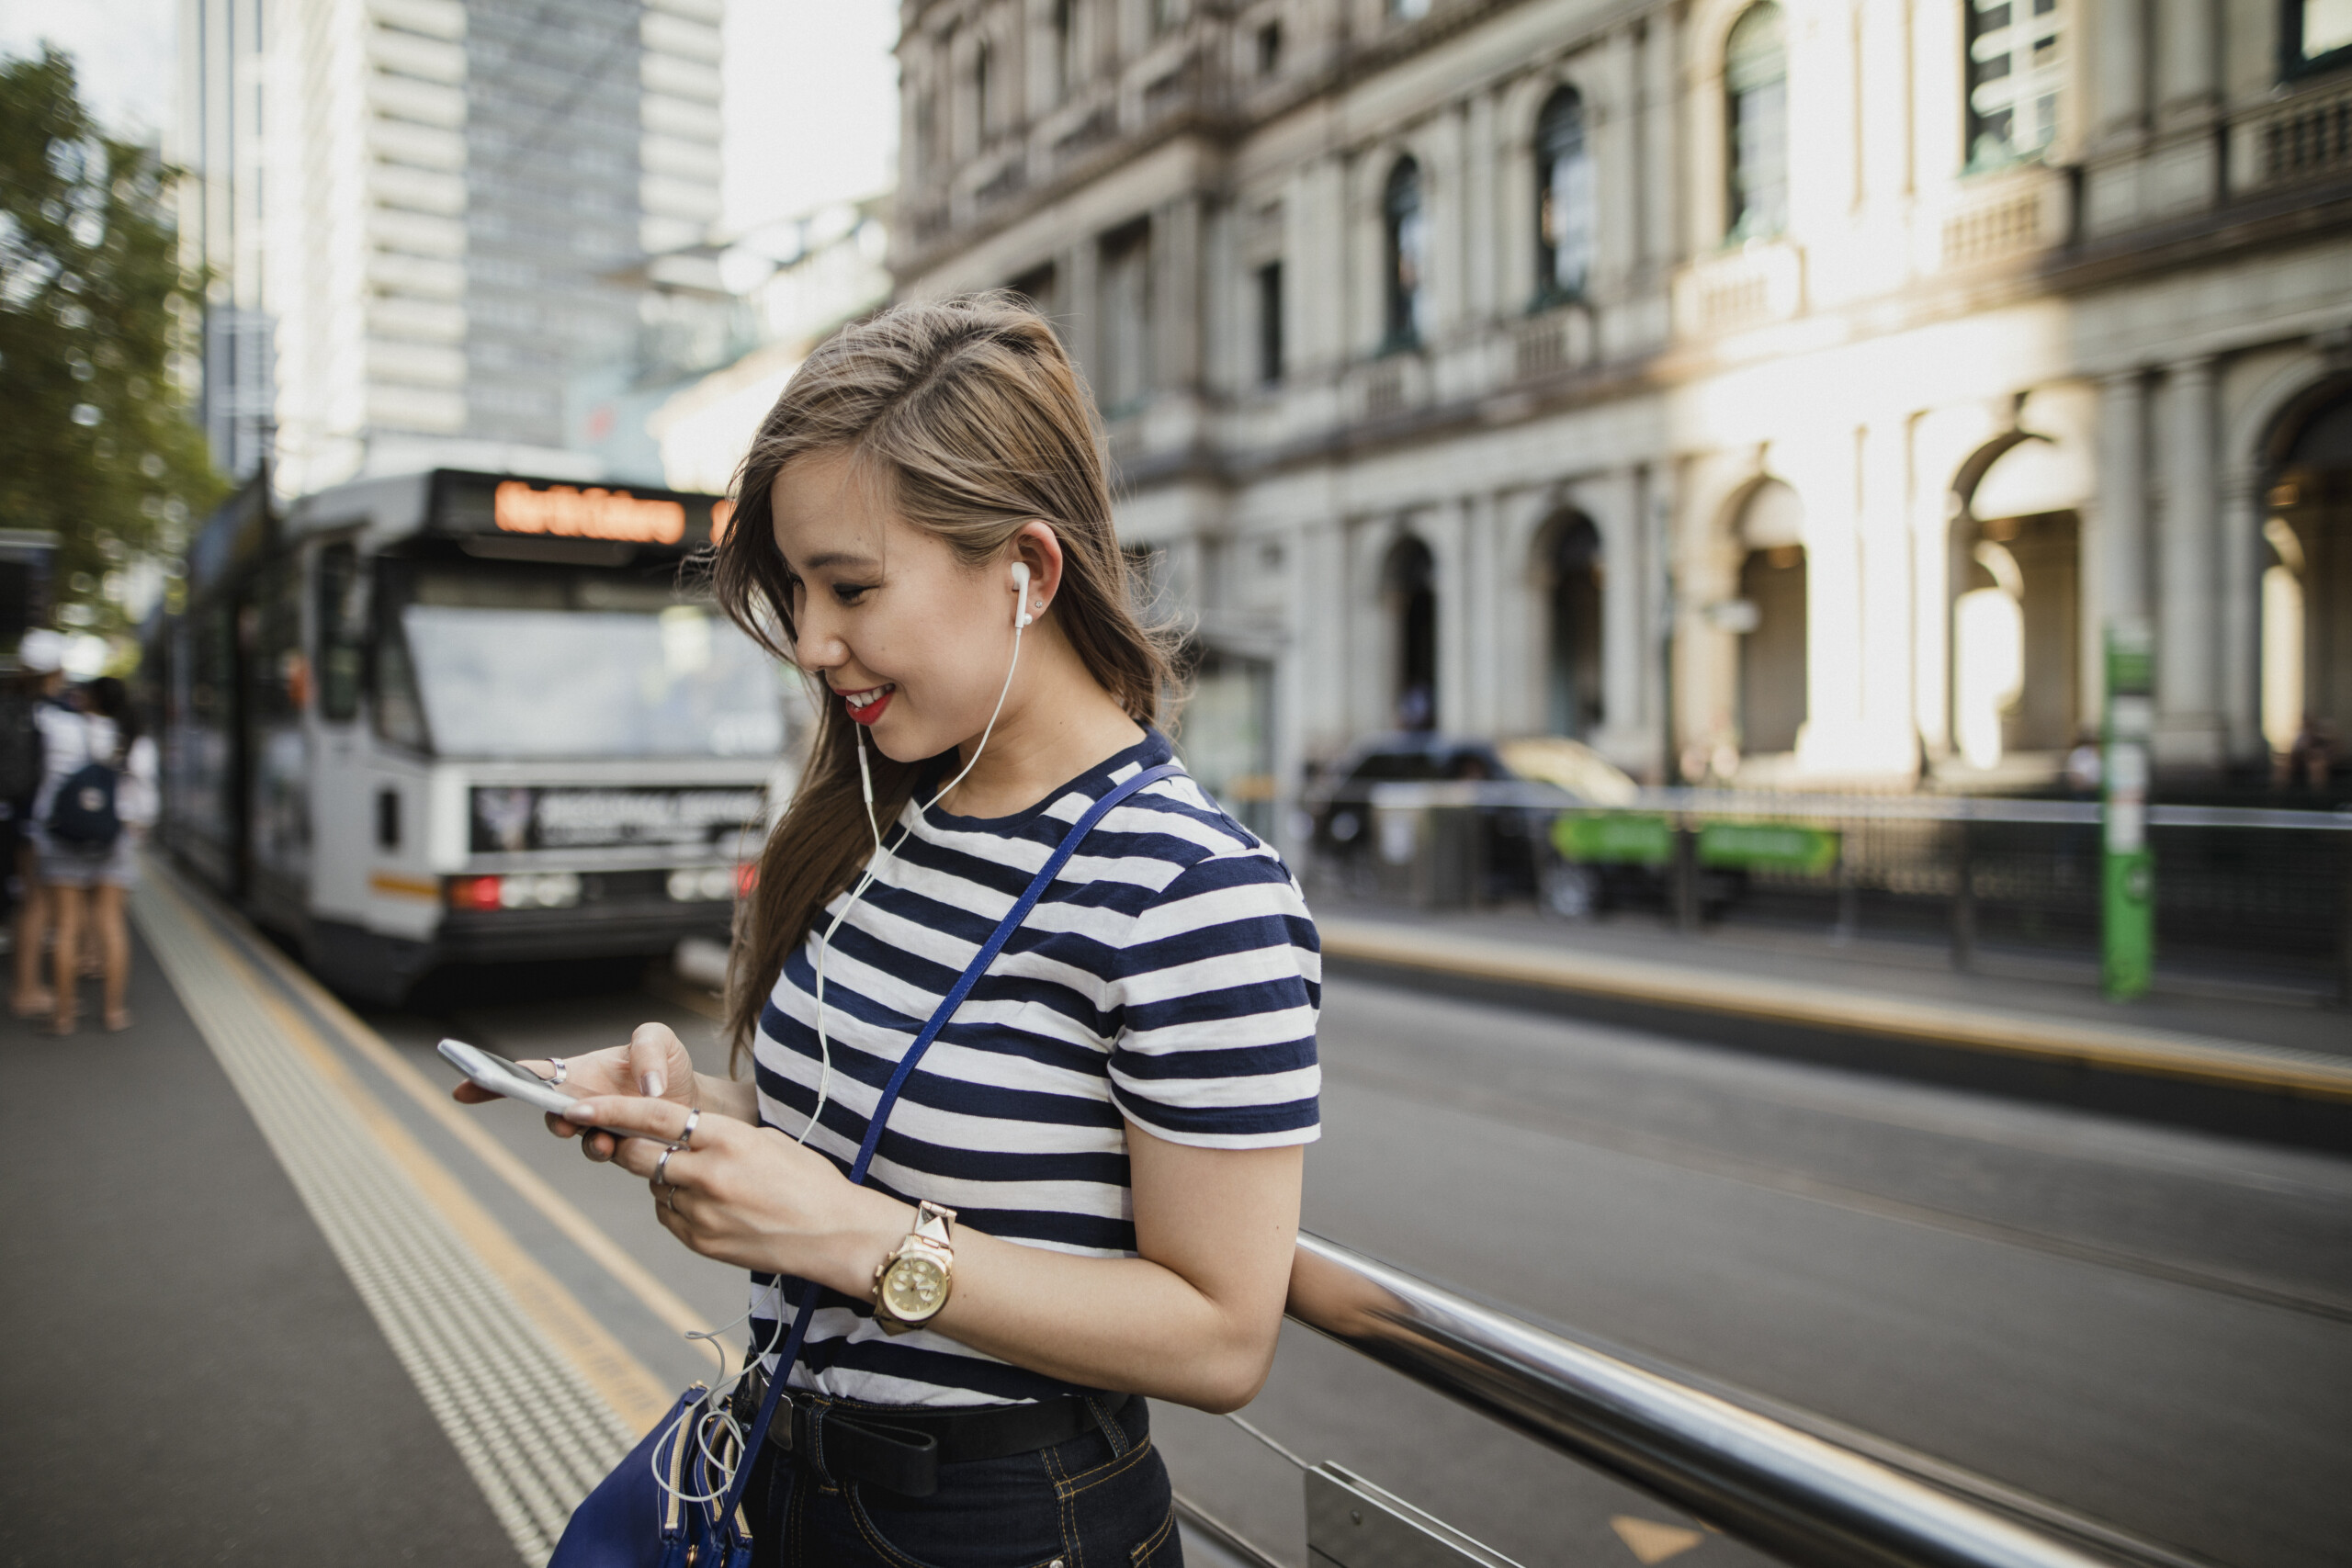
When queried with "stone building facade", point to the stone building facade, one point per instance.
{"points": [[1785, 390]]}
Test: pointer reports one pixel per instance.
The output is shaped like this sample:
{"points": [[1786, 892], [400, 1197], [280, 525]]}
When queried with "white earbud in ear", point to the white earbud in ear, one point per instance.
{"points": [[1020, 594]]}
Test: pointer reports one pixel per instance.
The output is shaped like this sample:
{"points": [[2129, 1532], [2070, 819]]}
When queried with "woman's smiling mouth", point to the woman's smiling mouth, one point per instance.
{"points": [[866, 705]]}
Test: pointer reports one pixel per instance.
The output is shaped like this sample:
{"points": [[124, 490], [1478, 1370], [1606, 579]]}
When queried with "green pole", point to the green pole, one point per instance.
{"points": [[2127, 868]]}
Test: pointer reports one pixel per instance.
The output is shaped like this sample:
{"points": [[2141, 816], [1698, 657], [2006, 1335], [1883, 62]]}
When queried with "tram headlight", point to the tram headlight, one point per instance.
{"points": [[703, 884], [547, 890], [555, 889]]}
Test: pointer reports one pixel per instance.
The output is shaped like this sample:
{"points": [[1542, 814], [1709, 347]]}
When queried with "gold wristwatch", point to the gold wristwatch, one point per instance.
{"points": [[910, 1286]]}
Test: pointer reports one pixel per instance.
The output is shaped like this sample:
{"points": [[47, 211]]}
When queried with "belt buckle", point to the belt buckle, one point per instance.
{"points": [[745, 1401]]}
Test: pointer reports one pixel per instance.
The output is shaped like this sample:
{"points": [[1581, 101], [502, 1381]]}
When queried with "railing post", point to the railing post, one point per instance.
{"points": [[1850, 898], [1686, 876], [1963, 896], [2343, 927]]}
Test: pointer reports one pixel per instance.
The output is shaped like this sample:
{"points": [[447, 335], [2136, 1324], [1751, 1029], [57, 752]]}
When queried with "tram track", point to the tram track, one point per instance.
{"points": [[1682, 1153]]}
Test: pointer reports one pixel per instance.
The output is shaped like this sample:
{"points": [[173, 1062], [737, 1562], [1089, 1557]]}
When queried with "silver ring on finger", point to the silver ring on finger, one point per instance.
{"points": [[686, 1136], [670, 1198], [562, 1069], [661, 1166]]}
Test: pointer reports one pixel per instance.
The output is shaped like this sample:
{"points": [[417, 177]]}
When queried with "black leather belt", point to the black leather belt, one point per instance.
{"points": [[901, 1449]]}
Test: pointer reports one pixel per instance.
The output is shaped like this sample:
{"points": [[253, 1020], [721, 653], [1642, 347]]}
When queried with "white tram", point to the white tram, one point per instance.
{"points": [[460, 718]]}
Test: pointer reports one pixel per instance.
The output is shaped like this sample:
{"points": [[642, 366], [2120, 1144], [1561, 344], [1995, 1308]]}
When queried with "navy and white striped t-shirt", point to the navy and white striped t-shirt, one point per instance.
{"points": [[1170, 976]]}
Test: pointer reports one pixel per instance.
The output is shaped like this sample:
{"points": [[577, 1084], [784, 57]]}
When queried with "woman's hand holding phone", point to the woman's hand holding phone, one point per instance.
{"points": [[653, 1064]]}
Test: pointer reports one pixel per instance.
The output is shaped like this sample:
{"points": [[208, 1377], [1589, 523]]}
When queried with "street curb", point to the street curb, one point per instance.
{"points": [[1653, 988]]}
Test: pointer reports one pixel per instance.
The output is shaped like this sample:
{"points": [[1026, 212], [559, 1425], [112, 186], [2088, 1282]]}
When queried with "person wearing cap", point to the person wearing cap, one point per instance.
{"points": [[40, 673]]}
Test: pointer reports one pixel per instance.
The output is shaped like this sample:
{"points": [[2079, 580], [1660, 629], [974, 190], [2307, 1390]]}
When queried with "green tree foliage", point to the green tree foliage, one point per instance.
{"points": [[96, 315]]}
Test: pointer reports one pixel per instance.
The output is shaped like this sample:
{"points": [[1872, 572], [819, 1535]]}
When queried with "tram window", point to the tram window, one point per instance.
{"points": [[343, 631], [500, 662], [400, 718], [279, 677]]}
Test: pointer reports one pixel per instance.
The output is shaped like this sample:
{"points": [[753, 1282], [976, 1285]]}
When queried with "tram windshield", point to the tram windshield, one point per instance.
{"points": [[515, 665]]}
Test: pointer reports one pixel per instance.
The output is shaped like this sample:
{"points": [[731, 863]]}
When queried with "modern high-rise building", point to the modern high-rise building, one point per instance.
{"points": [[422, 216]]}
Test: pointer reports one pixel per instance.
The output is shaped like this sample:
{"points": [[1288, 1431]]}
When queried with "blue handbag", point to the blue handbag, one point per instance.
{"points": [[677, 1498]]}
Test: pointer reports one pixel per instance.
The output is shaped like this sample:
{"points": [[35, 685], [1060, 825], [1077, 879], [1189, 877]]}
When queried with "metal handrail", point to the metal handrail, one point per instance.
{"points": [[1796, 805], [1784, 1491]]}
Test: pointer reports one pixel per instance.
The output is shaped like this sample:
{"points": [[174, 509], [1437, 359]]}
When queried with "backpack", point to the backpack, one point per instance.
{"points": [[83, 812]]}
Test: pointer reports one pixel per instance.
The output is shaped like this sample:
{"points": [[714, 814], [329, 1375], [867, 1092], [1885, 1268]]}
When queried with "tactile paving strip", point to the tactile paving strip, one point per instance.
{"points": [[532, 1437]]}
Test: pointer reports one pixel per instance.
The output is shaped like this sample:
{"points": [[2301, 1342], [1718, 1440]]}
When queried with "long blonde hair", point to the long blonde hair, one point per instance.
{"points": [[971, 415]]}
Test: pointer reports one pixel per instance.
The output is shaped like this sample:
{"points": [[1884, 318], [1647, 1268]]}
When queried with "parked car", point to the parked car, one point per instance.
{"points": [[1511, 859]]}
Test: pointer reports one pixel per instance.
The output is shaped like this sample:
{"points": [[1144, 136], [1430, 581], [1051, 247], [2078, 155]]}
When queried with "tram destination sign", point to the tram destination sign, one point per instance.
{"points": [[511, 506], [507, 820]]}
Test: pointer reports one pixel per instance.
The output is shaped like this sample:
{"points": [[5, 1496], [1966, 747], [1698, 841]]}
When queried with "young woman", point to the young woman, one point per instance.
{"points": [[1114, 1116], [89, 880]]}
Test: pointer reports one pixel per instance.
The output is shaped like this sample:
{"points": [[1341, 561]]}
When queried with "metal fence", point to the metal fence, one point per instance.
{"points": [[2256, 896], [1801, 1496]]}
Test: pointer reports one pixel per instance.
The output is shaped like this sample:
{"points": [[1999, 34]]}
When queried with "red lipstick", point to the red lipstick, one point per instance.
{"points": [[872, 710]]}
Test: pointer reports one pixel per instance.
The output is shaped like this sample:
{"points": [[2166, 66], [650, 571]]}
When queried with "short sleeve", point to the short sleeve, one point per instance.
{"points": [[1219, 984]]}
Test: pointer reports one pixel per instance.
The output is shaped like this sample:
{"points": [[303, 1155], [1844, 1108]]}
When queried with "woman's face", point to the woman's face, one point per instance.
{"points": [[912, 642]]}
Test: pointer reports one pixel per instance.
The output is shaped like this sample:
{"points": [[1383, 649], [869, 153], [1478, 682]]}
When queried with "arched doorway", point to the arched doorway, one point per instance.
{"points": [[1772, 669], [1567, 569], [2016, 580], [1409, 589], [2307, 595]]}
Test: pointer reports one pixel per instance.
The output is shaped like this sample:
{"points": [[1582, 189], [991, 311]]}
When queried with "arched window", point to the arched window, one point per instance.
{"points": [[2016, 74], [981, 94], [1564, 226], [1409, 585], [1772, 654], [1409, 242], [1756, 106], [2307, 598], [1065, 50], [1570, 562]]}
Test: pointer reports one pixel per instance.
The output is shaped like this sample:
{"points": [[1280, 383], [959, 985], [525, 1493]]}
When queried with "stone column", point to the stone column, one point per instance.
{"points": [[1078, 305], [1662, 172], [2119, 66], [1624, 627], [2243, 557], [2119, 561], [2188, 44], [2188, 728], [1175, 297]]}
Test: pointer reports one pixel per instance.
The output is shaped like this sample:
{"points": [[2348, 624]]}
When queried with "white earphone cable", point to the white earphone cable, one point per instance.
{"points": [[709, 1417], [882, 852]]}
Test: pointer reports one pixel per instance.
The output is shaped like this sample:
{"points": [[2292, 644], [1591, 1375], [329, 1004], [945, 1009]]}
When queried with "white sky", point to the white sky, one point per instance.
{"points": [[811, 91]]}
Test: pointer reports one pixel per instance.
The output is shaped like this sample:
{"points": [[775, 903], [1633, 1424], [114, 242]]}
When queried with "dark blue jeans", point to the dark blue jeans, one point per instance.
{"points": [[1094, 1502]]}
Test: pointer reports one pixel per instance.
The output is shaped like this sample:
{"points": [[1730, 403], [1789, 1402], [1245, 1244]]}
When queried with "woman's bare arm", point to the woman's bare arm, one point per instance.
{"points": [[1193, 1319]]}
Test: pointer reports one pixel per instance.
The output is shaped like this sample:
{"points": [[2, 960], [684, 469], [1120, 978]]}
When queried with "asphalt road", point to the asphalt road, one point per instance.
{"points": [[2150, 1326]]}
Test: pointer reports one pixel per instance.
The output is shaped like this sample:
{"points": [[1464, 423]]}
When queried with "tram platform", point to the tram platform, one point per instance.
{"points": [[275, 1293], [2228, 1058]]}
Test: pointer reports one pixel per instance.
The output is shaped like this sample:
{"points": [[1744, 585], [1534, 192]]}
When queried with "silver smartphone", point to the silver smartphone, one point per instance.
{"points": [[501, 1076]]}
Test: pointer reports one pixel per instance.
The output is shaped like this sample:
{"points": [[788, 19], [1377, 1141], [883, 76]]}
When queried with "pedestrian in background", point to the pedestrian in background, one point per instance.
{"points": [[40, 677], [98, 798]]}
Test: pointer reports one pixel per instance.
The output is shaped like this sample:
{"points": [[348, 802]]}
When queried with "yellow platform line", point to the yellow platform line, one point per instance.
{"points": [[627, 1385], [2108, 1047], [666, 1306]]}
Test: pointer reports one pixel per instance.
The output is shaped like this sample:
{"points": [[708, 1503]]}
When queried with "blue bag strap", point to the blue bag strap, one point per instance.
{"points": [[790, 1354]]}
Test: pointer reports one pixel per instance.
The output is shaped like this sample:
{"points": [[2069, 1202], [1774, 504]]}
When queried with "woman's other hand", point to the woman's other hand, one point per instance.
{"points": [[751, 1197], [653, 1063]]}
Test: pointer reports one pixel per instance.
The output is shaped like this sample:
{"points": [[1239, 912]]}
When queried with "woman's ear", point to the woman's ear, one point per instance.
{"points": [[1036, 547]]}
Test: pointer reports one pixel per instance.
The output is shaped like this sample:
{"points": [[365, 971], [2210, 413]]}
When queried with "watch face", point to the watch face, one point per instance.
{"points": [[915, 1287]]}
